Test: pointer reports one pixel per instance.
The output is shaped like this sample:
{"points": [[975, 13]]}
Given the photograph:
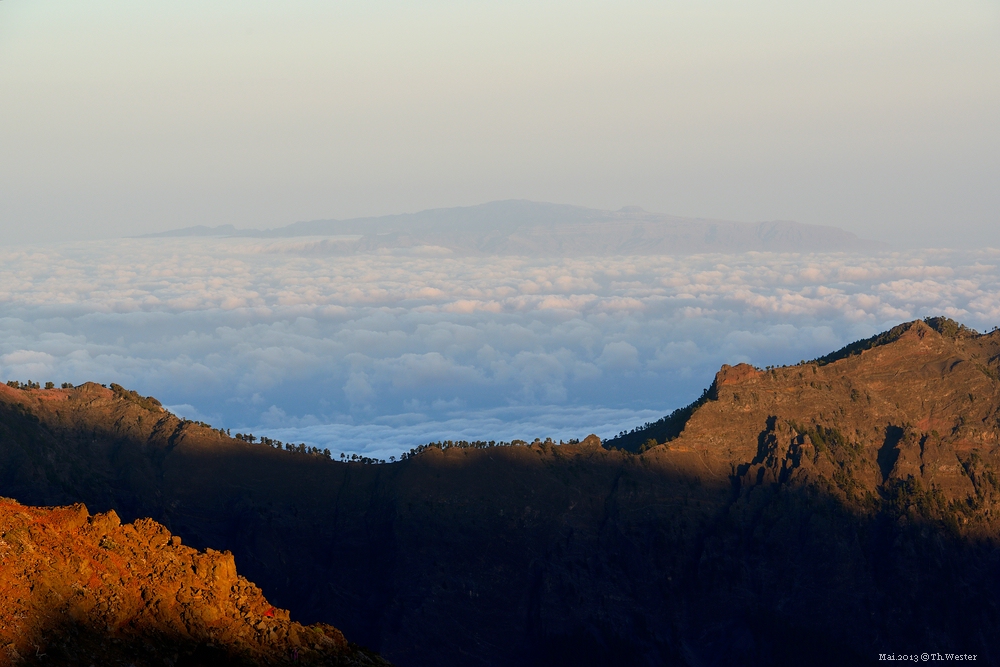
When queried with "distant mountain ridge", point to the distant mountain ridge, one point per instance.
{"points": [[521, 227]]}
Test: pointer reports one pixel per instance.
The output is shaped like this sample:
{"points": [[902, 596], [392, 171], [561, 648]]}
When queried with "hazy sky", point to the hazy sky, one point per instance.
{"points": [[120, 117]]}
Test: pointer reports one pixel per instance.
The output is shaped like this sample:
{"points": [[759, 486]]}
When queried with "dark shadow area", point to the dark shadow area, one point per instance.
{"points": [[546, 555], [67, 644], [888, 452]]}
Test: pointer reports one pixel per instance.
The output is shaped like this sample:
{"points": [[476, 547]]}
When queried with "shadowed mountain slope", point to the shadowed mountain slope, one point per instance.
{"points": [[823, 512]]}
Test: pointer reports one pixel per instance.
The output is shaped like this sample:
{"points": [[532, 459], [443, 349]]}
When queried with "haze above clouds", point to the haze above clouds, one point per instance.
{"points": [[376, 353], [122, 118]]}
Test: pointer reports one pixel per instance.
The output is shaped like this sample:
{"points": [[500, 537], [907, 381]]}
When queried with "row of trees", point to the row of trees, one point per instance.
{"points": [[451, 444], [480, 444], [31, 384], [369, 460], [300, 448]]}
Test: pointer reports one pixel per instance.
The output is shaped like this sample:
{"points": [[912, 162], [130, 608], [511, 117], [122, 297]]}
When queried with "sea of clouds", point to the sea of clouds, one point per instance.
{"points": [[376, 353]]}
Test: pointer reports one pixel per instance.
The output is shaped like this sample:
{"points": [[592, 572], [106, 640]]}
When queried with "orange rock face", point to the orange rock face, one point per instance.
{"points": [[924, 405], [81, 589], [735, 374]]}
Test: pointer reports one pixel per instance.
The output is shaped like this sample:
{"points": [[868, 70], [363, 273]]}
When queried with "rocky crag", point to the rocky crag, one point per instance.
{"points": [[81, 589], [825, 512]]}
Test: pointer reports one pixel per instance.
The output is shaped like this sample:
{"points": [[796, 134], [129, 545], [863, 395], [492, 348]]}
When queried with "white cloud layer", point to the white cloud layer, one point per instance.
{"points": [[377, 353]]}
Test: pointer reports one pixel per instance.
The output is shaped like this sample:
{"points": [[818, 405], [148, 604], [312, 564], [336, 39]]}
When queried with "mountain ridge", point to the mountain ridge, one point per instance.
{"points": [[830, 511], [521, 227]]}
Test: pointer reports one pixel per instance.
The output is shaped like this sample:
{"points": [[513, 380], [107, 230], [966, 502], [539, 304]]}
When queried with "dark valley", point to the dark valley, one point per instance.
{"points": [[814, 514]]}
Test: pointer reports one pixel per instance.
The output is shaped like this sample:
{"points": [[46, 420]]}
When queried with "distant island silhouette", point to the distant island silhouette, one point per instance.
{"points": [[521, 227]]}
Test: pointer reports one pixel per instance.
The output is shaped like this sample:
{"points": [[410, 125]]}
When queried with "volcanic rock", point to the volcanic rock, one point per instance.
{"points": [[81, 589]]}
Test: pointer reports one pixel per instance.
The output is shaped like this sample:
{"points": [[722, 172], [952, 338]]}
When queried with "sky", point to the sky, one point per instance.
{"points": [[120, 118], [377, 353]]}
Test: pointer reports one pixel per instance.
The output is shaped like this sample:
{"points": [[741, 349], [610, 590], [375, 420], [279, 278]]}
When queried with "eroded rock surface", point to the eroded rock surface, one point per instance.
{"points": [[82, 589]]}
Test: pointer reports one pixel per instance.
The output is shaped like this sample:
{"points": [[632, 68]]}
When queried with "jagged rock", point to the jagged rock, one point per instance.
{"points": [[92, 589]]}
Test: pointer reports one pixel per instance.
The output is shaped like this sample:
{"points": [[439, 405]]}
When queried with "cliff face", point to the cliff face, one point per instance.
{"points": [[75, 587], [924, 406], [832, 510]]}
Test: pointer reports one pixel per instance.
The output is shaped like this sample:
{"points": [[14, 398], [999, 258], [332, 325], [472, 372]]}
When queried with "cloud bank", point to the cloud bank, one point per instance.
{"points": [[376, 353]]}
